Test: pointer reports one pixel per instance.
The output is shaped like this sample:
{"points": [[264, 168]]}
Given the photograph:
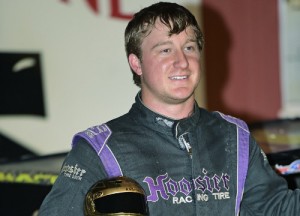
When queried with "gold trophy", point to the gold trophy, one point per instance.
{"points": [[116, 197]]}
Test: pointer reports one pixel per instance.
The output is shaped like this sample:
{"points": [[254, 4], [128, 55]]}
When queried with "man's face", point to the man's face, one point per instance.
{"points": [[170, 66]]}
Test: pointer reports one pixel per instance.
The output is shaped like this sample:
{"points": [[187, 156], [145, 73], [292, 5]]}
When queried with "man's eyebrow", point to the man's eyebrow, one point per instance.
{"points": [[193, 40], [161, 44]]}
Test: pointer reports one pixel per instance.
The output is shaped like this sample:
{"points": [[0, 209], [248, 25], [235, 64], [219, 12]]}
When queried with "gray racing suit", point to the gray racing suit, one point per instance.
{"points": [[206, 164]]}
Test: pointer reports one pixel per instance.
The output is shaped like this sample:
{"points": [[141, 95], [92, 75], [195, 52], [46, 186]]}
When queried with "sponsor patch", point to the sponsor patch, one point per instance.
{"points": [[214, 187], [73, 171]]}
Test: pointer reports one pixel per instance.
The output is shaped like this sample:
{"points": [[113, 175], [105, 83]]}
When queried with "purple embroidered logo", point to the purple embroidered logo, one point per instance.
{"points": [[96, 130], [165, 187]]}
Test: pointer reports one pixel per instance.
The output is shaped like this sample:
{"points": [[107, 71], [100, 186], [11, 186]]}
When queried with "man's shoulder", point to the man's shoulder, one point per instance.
{"points": [[221, 119]]}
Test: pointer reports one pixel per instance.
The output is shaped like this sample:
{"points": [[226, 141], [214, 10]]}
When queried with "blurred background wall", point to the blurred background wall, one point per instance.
{"points": [[252, 58], [63, 66]]}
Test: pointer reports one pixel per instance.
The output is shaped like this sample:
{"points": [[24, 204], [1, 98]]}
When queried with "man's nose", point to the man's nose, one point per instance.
{"points": [[181, 60]]}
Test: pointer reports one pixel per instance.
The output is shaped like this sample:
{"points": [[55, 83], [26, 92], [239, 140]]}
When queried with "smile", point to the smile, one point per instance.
{"points": [[178, 77]]}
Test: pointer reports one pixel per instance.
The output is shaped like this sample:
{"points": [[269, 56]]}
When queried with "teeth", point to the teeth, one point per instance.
{"points": [[178, 77]]}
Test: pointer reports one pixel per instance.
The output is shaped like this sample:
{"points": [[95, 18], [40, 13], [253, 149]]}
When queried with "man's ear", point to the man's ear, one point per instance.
{"points": [[135, 64]]}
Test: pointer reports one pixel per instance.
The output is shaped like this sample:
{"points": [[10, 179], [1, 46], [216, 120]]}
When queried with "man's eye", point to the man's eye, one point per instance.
{"points": [[166, 50], [190, 48]]}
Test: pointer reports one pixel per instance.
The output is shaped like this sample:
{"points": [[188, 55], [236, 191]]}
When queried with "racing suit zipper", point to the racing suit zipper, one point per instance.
{"points": [[183, 140], [185, 144]]}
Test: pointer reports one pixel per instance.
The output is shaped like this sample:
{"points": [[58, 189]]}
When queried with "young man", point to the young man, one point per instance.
{"points": [[188, 160]]}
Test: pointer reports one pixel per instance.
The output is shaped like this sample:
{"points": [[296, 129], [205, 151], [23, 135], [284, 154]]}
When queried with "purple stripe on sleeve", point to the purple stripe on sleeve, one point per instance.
{"points": [[97, 137], [110, 163], [242, 156]]}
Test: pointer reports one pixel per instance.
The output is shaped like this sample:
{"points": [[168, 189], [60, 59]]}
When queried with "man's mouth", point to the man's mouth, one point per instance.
{"points": [[178, 77]]}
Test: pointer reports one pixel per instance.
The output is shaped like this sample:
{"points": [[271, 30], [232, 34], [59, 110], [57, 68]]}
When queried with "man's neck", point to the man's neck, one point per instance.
{"points": [[174, 111]]}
